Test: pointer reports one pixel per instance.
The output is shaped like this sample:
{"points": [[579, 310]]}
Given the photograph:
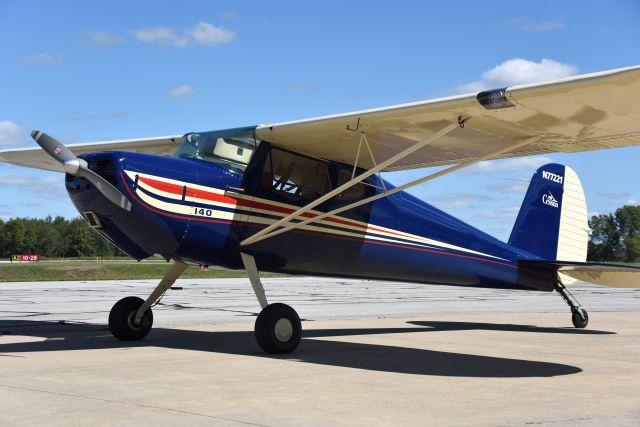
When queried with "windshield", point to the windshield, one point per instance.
{"points": [[231, 148]]}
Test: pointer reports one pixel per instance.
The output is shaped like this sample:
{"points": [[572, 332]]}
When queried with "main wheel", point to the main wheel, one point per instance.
{"points": [[122, 320], [580, 318], [278, 329]]}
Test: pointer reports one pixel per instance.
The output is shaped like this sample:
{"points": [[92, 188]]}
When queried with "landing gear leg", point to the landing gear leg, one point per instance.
{"points": [[579, 315], [131, 318], [278, 328]]}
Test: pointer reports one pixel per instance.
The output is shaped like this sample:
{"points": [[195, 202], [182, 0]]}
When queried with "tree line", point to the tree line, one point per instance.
{"points": [[53, 237], [615, 237]]}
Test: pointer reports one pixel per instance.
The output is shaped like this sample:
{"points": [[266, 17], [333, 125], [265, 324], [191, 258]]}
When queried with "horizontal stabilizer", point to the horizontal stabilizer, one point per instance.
{"points": [[613, 275]]}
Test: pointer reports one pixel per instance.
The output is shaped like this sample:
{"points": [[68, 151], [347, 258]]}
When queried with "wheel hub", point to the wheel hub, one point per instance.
{"points": [[131, 321], [283, 329]]}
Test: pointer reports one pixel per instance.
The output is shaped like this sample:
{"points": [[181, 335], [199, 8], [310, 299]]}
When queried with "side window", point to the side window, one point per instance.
{"points": [[295, 176], [355, 192]]}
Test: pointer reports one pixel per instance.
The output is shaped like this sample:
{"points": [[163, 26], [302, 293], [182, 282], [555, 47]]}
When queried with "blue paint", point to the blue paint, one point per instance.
{"points": [[147, 230]]}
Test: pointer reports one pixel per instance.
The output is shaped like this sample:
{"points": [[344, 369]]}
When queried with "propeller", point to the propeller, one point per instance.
{"points": [[76, 166]]}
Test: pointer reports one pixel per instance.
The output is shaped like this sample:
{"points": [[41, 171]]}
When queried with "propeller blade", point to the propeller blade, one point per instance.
{"points": [[53, 147], [106, 188], [79, 167]]}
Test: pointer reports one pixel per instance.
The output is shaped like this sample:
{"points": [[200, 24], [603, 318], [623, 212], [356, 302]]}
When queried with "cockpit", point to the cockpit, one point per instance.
{"points": [[230, 148]]}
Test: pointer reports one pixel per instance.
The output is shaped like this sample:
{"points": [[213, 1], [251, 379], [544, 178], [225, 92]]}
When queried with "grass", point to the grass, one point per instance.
{"points": [[102, 270]]}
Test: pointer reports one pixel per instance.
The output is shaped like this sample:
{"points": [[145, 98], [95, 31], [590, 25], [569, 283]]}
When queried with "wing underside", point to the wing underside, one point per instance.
{"points": [[582, 113]]}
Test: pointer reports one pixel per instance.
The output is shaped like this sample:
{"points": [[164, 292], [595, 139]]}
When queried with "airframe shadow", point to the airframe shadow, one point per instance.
{"points": [[61, 337]]}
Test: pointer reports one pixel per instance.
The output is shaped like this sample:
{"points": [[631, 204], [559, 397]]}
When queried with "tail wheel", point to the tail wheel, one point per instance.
{"points": [[580, 318], [122, 320], [278, 329]]}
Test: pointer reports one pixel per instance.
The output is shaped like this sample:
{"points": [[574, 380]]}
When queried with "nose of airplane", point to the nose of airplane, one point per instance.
{"points": [[139, 232]]}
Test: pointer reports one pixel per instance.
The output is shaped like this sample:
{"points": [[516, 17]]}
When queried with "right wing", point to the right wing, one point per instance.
{"points": [[580, 113]]}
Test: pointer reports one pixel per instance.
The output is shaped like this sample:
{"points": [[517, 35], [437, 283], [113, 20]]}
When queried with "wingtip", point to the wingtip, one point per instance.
{"points": [[35, 134]]}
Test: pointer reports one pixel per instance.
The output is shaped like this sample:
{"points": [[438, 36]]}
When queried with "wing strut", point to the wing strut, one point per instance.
{"points": [[428, 140], [393, 191]]}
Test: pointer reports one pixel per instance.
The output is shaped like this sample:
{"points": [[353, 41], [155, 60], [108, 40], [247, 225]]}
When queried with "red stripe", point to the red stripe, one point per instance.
{"points": [[328, 236], [207, 195]]}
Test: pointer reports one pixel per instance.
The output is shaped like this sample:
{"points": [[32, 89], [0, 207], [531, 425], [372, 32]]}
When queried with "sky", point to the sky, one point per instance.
{"points": [[91, 71]]}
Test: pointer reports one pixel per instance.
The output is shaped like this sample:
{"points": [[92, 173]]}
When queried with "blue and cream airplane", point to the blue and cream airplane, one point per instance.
{"points": [[306, 197]]}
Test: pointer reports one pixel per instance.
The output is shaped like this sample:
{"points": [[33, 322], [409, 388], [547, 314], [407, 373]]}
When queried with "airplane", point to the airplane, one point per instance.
{"points": [[306, 197]]}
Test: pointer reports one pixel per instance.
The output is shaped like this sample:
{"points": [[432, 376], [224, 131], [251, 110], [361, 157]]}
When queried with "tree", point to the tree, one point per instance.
{"points": [[615, 237]]}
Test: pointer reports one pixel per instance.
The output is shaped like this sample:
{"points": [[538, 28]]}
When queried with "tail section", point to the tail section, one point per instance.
{"points": [[552, 222]]}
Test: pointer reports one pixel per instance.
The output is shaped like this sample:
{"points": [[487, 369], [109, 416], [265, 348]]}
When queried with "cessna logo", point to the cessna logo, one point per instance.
{"points": [[552, 177], [548, 199]]}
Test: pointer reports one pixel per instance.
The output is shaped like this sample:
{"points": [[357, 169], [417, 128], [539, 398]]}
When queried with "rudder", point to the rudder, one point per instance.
{"points": [[552, 222]]}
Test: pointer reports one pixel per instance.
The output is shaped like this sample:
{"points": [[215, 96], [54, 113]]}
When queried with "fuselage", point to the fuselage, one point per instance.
{"points": [[200, 211]]}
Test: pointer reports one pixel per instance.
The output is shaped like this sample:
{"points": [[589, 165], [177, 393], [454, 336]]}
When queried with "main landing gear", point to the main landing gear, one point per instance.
{"points": [[579, 315], [277, 330]]}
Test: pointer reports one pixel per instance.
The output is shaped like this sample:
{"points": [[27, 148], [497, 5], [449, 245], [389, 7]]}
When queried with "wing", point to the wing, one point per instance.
{"points": [[37, 158], [612, 275], [582, 113]]}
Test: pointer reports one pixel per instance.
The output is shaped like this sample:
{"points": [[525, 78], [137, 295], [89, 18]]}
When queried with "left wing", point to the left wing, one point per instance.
{"points": [[36, 158]]}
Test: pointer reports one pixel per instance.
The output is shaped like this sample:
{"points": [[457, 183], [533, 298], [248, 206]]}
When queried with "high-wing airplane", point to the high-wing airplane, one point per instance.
{"points": [[306, 197]]}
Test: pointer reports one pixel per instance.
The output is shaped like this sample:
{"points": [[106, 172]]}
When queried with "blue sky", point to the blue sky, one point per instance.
{"points": [[88, 71]]}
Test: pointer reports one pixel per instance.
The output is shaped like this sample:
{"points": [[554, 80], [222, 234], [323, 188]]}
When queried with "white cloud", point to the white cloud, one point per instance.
{"points": [[209, 35], [522, 24], [529, 164], [51, 187], [633, 202], [104, 38], [519, 71], [183, 91], [45, 58], [202, 33], [11, 134]]}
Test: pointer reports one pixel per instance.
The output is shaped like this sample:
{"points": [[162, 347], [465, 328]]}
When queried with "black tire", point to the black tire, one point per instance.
{"points": [[580, 318], [278, 329], [121, 319]]}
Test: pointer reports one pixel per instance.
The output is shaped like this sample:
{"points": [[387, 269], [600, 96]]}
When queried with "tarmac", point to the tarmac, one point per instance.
{"points": [[372, 353]]}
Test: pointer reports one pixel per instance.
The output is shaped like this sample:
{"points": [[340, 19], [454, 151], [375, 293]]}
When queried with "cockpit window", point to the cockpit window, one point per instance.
{"points": [[231, 148]]}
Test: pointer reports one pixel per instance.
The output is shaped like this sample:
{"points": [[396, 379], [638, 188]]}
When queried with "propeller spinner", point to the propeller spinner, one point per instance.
{"points": [[78, 167]]}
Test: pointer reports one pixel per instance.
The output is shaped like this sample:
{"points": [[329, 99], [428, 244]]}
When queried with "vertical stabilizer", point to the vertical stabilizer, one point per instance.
{"points": [[552, 222]]}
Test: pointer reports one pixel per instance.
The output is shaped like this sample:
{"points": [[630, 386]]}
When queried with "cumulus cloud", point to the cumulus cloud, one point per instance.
{"points": [[182, 91], [45, 58], [529, 164], [51, 187], [202, 33], [11, 134], [209, 35], [104, 38], [519, 71], [522, 24]]}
